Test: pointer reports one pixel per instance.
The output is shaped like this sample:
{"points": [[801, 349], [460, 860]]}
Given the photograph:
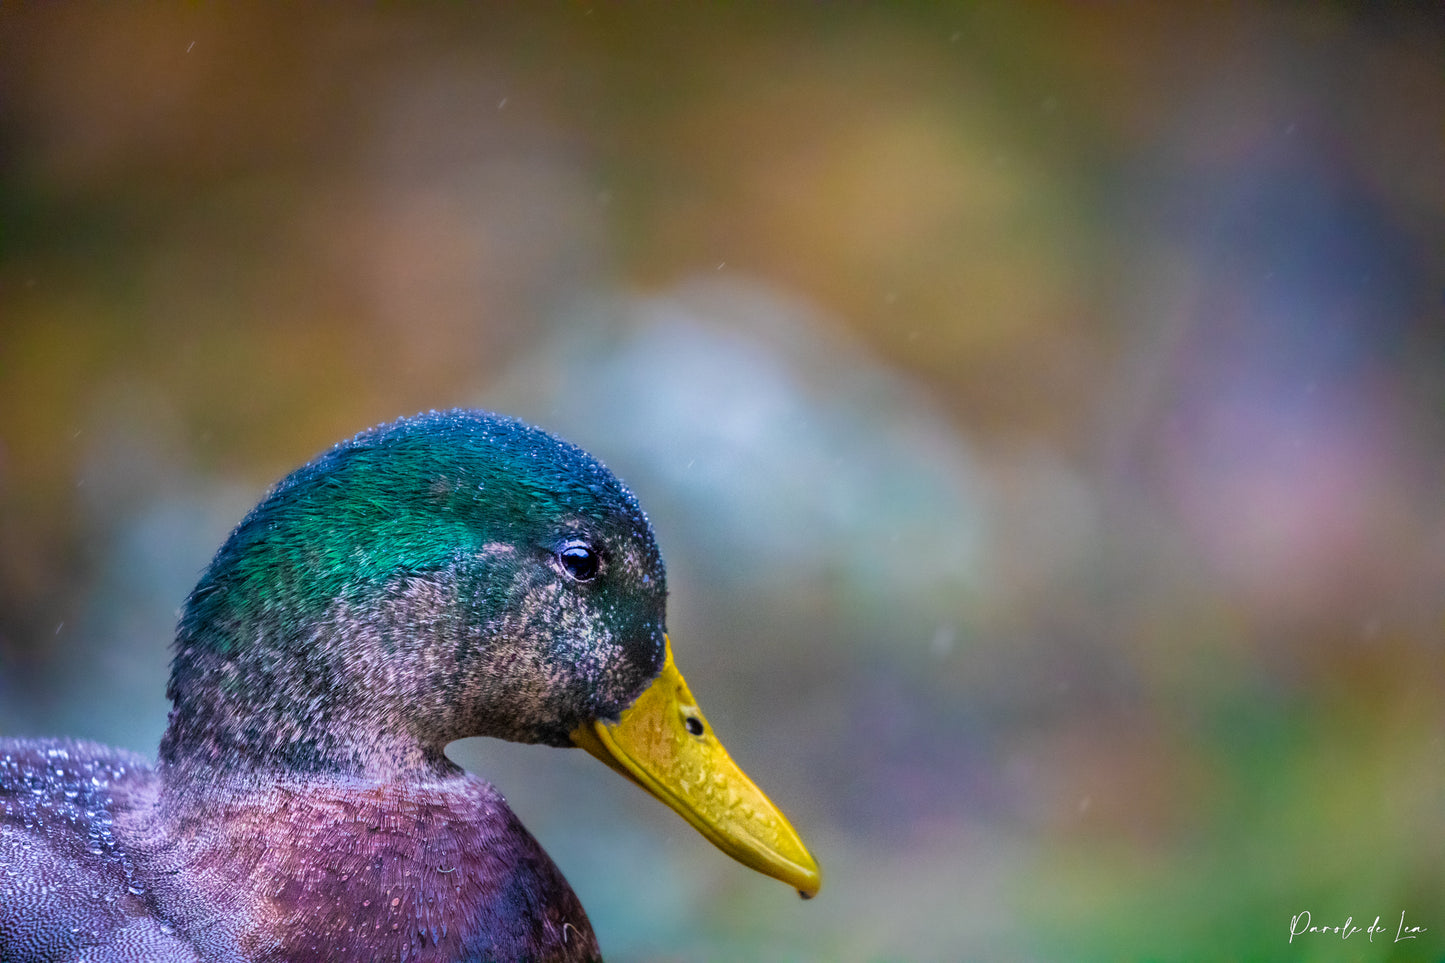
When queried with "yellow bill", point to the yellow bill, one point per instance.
{"points": [[663, 743]]}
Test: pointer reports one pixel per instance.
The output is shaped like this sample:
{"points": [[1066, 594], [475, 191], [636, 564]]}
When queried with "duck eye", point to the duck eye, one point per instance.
{"points": [[579, 560]]}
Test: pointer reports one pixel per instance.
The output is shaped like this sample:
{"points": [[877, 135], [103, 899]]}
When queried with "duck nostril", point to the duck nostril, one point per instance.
{"points": [[694, 725]]}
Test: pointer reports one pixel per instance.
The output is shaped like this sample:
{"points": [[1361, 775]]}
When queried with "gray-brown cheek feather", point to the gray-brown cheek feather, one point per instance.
{"points": [[451, 661], [548, 661]]}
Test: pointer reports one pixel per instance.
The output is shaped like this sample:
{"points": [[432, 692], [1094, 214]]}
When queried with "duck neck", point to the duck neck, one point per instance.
{"points": [[315, 696], [208, 736], [196, 748]]}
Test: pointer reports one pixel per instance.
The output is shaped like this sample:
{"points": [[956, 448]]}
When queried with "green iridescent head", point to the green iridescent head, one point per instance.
{"points": [[449, 575]]}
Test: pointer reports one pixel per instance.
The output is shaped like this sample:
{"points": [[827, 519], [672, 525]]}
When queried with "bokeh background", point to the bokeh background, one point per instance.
{"points": [[1041, 408]]}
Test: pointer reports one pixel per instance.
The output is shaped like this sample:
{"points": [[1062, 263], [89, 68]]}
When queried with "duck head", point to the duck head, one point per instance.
{"points": [[451, 575]]}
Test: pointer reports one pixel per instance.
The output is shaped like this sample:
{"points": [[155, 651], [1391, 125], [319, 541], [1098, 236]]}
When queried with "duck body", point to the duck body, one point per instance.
{"points": [[450, 575], [301, 870], [68, 886]]}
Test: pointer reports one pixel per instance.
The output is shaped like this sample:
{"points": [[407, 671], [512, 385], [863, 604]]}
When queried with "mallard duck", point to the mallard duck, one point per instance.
{"points": [[449, 575]]}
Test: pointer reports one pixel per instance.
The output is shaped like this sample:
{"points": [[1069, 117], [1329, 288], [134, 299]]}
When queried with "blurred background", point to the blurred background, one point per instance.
{"points": [[1039, 407]]}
